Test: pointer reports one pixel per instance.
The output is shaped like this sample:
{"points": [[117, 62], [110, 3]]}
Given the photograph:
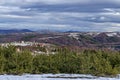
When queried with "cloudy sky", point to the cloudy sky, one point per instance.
{"points": [[81, 15]]}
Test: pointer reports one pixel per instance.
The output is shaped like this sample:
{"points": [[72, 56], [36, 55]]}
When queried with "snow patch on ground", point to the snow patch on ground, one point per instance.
{"points": [[55, 77]]}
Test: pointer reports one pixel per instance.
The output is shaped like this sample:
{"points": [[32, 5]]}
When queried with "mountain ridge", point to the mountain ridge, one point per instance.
{"points": [[9, 31], [80, 39]]}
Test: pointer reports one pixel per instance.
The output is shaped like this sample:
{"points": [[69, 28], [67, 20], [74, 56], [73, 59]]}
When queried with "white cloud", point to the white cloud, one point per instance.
{"points": [[22, 2], [102, 18], [112, 11], [43, 1], [5, 9], [14, 16], [107, 26]]}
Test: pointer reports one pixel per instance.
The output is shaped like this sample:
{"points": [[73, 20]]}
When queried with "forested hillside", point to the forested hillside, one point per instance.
{"points": [[96, 62]]}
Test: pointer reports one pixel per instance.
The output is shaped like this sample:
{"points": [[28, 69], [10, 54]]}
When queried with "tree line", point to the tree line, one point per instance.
{"points": [[95, 62]]}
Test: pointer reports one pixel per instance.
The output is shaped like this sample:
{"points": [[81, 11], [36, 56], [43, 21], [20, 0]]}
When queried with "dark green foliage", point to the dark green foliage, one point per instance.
{"points": [[28, 37], [96, 62], [43, 49]]}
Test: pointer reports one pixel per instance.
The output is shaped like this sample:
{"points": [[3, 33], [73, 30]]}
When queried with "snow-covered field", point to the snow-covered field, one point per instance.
{"points": [[55, 77]]}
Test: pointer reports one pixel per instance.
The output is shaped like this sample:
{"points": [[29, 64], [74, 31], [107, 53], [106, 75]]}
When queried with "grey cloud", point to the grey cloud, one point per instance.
{"points": [[82, 15]]}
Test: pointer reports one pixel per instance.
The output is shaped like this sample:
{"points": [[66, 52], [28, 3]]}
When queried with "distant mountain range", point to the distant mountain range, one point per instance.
{"points": [[69, 38], [9, 31]]}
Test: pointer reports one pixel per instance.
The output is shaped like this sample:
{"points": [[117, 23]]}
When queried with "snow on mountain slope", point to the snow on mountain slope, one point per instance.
{"points": [[74, 35], [111, 34]]}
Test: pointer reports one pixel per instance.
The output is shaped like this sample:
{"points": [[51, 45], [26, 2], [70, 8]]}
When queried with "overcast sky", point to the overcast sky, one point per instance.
{"points": [[81, 15]]}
